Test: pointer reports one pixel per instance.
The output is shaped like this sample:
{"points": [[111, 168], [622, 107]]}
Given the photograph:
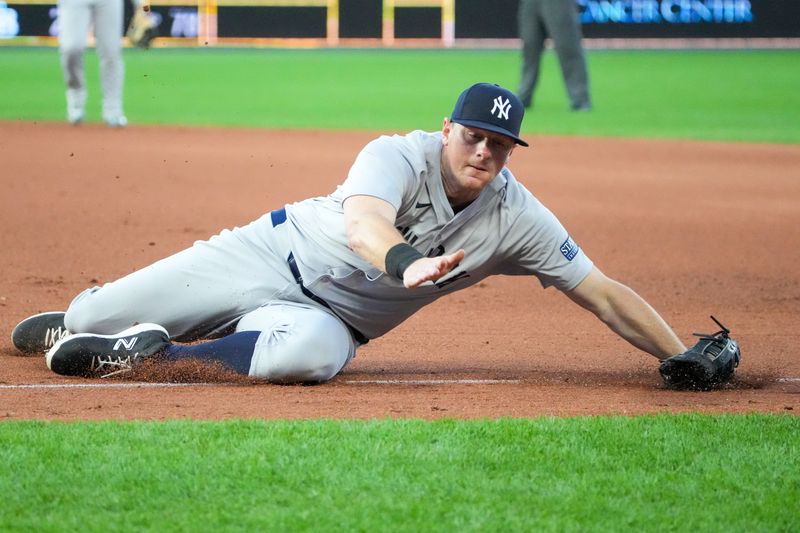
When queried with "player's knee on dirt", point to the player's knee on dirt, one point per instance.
{"points": [[300, 345]]}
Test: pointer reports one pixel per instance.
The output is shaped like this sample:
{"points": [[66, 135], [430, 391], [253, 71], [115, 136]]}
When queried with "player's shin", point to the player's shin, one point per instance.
{"points": [[234, 351]]}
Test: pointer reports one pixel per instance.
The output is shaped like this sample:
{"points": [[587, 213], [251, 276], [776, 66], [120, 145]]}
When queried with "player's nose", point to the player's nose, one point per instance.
{"points": [[482, 149]]}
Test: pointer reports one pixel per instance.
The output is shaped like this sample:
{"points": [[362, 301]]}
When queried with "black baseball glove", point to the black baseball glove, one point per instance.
{"points": [[706, 365]]}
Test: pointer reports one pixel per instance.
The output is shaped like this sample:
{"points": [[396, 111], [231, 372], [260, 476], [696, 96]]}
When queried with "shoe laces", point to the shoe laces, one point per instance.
{"points": [[53, 335], [112, 365]]}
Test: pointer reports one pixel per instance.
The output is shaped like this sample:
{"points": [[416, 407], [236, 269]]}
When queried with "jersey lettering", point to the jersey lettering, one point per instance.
{"points": [[436, 252], [408, 235], [445, 283]]}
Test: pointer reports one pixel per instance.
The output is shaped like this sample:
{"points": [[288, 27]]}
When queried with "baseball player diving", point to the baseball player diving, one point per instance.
{"points": [[291, 296]]}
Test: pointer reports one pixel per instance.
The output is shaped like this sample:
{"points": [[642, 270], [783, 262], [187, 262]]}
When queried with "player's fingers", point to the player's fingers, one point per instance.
{"points": [[431, 269], [446, 263], [415, 279], [426, 269], [454, 259]]}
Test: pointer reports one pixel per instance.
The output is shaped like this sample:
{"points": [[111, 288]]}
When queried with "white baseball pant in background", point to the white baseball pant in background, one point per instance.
{"points": [[105, 19]]}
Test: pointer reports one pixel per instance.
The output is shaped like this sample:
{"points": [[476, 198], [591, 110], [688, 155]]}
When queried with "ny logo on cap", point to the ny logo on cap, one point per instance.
{"points": [[502, 107]]}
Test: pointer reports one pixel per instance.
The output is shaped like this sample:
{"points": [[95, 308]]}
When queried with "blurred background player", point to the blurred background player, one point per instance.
{"points": [[105, 18], [557, 19]]}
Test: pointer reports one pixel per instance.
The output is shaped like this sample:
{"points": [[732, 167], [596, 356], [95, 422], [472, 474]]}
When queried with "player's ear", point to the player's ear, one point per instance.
{"points": [[447, 127]]}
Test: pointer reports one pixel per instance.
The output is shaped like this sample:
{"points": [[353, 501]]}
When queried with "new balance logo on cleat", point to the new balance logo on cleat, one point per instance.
{"points": [[125, 344], [89, 355]]}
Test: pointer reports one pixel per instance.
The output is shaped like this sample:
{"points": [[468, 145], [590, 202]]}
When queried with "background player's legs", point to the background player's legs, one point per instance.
{"points": [[564, 27], [195, 293], [108, 20], [73, 28], [532, 34]]}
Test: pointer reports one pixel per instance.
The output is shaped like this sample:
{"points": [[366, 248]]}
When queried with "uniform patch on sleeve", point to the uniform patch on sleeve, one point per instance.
{"points": [[569, 249]]}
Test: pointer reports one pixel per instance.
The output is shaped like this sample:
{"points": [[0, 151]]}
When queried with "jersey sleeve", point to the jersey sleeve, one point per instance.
{"points": [[383, 169], [542, 246]]}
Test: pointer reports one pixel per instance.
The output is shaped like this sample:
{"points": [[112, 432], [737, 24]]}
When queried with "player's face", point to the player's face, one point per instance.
{"points": [[472, 157]]}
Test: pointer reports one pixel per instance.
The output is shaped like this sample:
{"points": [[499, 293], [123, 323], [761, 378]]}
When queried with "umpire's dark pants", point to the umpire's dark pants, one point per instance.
{"points": [[557, 19]]}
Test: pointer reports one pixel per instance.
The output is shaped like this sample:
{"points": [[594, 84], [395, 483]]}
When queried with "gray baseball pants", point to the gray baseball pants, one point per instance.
{"points": [[557, 19], [238, 280]]}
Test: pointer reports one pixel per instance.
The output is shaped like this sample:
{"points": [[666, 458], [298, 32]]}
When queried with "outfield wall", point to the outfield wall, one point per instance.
{"points": [[431, 23]]}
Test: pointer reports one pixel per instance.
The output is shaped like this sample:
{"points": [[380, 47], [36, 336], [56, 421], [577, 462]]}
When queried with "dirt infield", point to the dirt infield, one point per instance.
{"points": [[696, 228]]}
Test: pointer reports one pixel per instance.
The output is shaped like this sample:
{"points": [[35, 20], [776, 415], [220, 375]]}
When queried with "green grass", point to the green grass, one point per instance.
{"points": [[717, 95], [655, 473]]}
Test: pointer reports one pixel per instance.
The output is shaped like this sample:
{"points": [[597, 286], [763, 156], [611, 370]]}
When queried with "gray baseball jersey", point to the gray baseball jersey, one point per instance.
{"points": [[506, 230]]}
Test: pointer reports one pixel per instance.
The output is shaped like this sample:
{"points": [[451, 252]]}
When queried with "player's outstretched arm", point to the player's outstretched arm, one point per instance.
{"points": [[627, 314], [369, 222]]}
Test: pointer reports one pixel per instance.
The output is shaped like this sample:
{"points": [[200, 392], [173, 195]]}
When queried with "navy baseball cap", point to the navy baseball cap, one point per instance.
{"points": [[490, 107]]}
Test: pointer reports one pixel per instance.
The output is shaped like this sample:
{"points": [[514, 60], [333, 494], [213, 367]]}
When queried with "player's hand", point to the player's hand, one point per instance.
{"points": [[430, 269]]}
